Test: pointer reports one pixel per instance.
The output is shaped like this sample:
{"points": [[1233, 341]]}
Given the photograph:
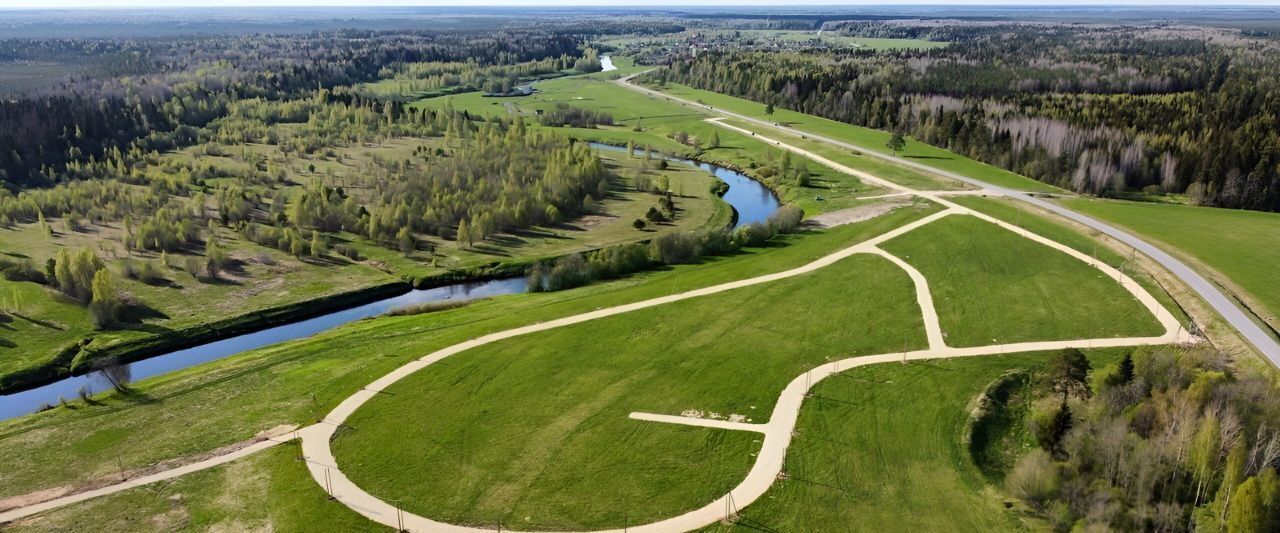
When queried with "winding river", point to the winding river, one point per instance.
{"points": [[751, 201]]}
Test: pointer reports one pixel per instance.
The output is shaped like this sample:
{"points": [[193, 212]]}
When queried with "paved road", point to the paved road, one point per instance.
{"points": [[778, 431], [1224, 305]]}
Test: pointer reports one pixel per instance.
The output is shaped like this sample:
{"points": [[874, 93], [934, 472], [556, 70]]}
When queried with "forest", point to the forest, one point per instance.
{"points": [[1165, 439], [1088, 108], [158, 92]]}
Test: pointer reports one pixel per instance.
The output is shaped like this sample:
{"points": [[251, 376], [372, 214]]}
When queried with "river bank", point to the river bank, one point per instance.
{"points": [[95, 370]]}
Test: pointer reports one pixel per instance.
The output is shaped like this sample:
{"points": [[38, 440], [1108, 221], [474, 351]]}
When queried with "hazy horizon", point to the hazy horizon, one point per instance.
{"points": [[168, 5]]}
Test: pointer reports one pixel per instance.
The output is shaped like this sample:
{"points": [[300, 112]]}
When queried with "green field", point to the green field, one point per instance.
{"points": [[879, 448], [267, 491], [535, 431], [1011, 289], [856, 421], [1022, 215], [867, 138], [43, 322], [196, 410], [1241, 246]]}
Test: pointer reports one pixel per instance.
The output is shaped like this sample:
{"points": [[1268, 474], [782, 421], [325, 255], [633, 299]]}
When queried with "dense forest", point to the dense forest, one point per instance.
{"points": [[1163, 440], [157, 92], [1093, 109]]}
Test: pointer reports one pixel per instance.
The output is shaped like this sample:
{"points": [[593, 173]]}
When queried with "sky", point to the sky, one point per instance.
{"points": [[57, 4]]}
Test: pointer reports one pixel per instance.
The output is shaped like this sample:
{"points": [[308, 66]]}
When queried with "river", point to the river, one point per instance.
{"points": [[752, 202], [20, 403]]}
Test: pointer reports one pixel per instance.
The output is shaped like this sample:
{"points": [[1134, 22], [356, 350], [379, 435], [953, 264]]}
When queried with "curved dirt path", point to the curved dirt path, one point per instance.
{"points": [[1238, 318], [778, 431]]}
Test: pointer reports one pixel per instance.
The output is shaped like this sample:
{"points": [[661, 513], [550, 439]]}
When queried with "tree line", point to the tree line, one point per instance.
{"points": [[669, 249], [175, 85], [1095, 111]]}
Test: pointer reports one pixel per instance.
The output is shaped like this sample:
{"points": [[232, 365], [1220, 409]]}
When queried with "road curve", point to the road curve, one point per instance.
{"points": [[1230, 311]]}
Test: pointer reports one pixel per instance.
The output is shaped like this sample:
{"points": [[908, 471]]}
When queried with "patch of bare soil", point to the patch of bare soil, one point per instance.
{"points": [[857, 214], [591, 221]]}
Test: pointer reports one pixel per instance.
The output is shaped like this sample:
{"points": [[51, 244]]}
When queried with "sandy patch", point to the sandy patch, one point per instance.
{"points": [[857, 214], [591, 221], [708, 415]]}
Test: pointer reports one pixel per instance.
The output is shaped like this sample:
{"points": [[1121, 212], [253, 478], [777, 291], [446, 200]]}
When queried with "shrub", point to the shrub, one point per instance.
{"points": [[672, 248], [786, 219], [143, 271], [347, 251], [1034, 478], [25, 270]]}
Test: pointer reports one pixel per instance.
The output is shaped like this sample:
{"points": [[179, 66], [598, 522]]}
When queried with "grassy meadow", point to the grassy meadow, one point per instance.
{"points": [[1011, 289], [1240, 246], [1056, 229], [874, 441], [534, 431]]}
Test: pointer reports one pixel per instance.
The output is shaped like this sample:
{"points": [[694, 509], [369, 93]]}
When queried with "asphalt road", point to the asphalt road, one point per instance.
{"points": [[1224, 305]]}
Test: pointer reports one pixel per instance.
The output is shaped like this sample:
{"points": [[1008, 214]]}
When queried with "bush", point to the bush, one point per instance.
{"points": [[675, 248], [24, 270], [143, 271], [1034, 478], [347, 251], [672, 248], [786, 219]]}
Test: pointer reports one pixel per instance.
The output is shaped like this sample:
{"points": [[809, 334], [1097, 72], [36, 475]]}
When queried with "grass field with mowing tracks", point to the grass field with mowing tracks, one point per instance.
{"points": [[1010, 289], [222, 402], [534, 432], [1242, 246]]}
